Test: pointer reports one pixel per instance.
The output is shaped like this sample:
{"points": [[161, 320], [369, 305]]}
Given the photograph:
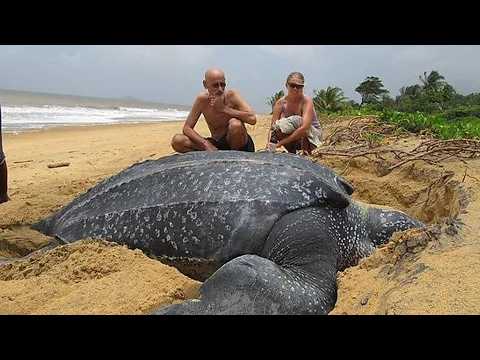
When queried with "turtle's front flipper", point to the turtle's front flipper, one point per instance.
{"points": [[295, 274], [382, 223]]}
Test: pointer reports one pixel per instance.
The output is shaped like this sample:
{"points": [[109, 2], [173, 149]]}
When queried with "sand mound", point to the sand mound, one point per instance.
{"points": [[413, 275], [90, 277]]}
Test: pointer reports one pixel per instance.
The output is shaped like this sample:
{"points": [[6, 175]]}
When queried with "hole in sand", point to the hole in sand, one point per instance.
{"points": [[199, 270], [423, 192], [17, 241]]}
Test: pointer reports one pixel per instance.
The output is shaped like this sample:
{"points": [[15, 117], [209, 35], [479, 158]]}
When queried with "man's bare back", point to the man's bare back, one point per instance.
{"points": [[225, 113]]}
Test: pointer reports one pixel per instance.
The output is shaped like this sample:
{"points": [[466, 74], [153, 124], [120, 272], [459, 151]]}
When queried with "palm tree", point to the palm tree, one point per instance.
{"points": [[371, 89], [448, 92], [434, 81], [412, 90], [387, 101], [274, 98], [329, 99]]}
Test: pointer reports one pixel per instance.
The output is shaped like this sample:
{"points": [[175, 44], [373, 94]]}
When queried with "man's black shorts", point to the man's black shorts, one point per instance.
{"points": [[222, 144]]}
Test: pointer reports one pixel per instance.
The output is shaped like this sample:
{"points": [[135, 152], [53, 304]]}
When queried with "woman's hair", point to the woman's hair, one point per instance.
{"points": [[297, 75]]}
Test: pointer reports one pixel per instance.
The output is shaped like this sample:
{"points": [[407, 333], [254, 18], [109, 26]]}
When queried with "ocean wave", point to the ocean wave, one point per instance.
{"points": [[27, 117]]}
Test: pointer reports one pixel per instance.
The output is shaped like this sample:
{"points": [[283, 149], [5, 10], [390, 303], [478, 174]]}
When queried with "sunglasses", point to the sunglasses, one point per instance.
{"points": [[295, 86], [219, 84]]}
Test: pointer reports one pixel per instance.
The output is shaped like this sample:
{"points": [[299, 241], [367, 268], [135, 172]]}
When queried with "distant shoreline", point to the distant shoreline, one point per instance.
{"points": [[125, 123], [77, 127], [14, 97], [62, 127]]}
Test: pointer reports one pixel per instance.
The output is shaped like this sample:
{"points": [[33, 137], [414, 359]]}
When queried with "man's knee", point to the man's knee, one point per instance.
{"points": [[236, 126], [178, 142]]}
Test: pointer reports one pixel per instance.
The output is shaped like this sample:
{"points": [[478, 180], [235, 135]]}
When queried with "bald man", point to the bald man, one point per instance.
{"points": [[225, 113]]}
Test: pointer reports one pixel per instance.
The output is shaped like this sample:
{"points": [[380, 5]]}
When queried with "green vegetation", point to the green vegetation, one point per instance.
{"points": [[273, 99], [329, 100], [432, 106], [462, 112], [360, 111], [462, 127], [371, 89], [373, 139]]}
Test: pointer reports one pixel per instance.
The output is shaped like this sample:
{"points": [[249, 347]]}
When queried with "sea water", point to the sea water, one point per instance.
{"points": [[26, 111]]}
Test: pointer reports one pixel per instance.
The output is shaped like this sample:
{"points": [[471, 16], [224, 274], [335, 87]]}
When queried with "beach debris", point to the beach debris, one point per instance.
{"points": [[57, 165], [365, 130], [432, 152], [23, 161], [364, 300]]}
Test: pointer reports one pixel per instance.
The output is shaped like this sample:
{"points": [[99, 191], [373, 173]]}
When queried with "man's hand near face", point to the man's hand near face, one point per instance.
{"points": [[217, 102]]}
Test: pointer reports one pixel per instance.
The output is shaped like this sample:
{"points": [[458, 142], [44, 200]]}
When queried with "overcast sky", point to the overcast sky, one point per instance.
{"points": [[173, 74]]}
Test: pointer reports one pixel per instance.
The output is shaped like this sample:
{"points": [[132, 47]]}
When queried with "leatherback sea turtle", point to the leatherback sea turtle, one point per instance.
{"points": [[276, 227]]}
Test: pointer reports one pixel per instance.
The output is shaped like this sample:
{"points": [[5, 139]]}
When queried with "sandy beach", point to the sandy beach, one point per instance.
{"points": [[441, 276]]}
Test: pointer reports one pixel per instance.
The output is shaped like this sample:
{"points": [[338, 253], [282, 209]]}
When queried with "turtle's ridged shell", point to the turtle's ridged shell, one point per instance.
{"points": [[201, 204]]}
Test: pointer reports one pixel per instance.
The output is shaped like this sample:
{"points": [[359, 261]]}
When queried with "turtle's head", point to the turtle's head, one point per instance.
{"points": [[383, 222]]}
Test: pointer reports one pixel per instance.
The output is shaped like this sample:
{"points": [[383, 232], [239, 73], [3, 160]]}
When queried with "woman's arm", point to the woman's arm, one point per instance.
{"points": [[277, 112]]}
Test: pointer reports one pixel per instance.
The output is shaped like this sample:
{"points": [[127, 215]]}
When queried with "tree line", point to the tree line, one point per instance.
{"points": [[431, 95]]}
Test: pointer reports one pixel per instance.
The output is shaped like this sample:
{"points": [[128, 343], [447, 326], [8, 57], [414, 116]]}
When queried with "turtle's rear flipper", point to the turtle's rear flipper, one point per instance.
{"points": [[241, 286], [296, 275], [190, 307]]}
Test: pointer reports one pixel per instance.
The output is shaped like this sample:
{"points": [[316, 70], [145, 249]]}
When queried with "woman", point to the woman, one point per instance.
{"points": [[295, 124], [3, 169]]}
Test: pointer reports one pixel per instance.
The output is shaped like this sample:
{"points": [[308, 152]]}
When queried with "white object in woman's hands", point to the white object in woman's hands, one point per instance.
{"points": [[272, 147]]}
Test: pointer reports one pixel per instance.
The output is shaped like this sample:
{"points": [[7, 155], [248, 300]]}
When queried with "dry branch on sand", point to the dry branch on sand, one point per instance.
{"points": [[359, 130], [431, 151]]}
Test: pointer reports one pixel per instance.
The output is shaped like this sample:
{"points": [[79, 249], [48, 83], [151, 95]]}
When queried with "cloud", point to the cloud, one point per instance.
{"points": [[103, 70], [291, 51], [173, 73]]}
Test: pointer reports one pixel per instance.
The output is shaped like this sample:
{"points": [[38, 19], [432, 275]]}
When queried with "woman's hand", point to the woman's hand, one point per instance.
{"points": [[272, 147]]}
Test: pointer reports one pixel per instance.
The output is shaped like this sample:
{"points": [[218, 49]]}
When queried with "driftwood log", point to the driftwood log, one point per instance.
{"points": [[57, 165]]}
